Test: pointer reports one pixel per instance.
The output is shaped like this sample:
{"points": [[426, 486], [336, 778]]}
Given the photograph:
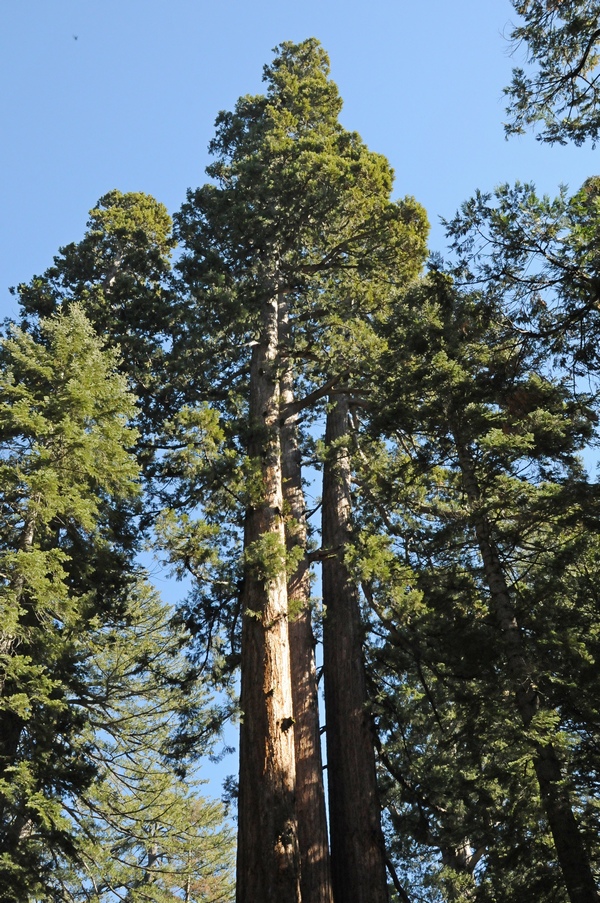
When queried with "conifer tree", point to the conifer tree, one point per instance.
{"points": [[299, 214], [493, 438], [560, 89], [143, 830], [64, 423], [536, 257], [101, 713], [358, 850], [310, 794], [118, 273]]}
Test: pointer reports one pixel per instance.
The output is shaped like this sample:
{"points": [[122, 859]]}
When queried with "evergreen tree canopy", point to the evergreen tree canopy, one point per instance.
{"points": [[537, 259], [286, 255], [478, 515], [65, 438], [459, 534], [101, 714], [143, 831], [561, 91], [301, 208], [118, 274]]}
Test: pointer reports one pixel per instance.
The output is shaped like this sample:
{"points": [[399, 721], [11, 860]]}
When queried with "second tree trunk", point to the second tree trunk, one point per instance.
{"points": [[357, 846]]}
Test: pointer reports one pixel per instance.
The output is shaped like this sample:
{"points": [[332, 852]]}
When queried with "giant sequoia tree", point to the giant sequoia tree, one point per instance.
{"points": [[275, 254]]}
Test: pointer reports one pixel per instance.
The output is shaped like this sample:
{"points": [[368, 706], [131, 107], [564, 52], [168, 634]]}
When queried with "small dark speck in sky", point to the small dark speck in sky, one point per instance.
{"points": [[75, 37]]}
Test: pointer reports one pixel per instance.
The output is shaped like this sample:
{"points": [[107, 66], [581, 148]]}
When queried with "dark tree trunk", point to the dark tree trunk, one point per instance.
{"points": [[570, 849], [357, 846], [310, 794], [268, 859]]}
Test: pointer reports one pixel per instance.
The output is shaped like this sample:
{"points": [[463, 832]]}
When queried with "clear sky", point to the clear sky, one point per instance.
{"points": [[102, 94]]}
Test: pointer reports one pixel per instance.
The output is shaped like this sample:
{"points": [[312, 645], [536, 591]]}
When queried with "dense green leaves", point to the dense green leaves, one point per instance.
{"points": [[300, 206], [300, 192], [100, 713], [537, 259], [143, 830], [118, 274]]}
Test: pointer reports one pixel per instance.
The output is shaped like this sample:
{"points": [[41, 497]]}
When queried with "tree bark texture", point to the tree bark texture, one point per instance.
{"points": [[310, 793], [268, 859], [357, 845], [570, 849]]}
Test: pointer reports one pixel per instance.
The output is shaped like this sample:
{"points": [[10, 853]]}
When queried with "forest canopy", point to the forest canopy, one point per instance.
{"points": [[373, 467]]}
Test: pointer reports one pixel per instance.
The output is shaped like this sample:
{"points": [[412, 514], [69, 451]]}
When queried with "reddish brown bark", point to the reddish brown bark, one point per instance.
{"points": [[268, 863], [313, 837], [357, 846], [310, 794]]}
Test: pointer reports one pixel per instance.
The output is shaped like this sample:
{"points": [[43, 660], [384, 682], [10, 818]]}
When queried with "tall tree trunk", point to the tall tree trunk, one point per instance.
{"points": [[268, 860], [310, 793], [570, 849], [357, 846]]}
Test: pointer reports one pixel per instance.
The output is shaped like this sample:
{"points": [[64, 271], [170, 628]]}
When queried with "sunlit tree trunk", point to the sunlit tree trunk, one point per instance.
{"points": [[310, 795], [268, 867]]}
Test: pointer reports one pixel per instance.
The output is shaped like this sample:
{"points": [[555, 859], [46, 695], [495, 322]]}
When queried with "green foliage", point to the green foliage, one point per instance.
{"points": [[143, 831], [100, 713], [295, 193], [64, 436], [474, 420], [463, 399], [560, 91], [299, 206], [537, 259], [267, 557], [205, 483], [117, 273]]}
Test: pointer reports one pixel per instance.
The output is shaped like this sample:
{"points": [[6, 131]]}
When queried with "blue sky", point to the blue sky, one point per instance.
{"points": [[131, 103]]}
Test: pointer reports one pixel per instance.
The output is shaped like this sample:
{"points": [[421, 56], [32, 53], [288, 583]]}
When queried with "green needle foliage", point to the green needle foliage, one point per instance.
{"points": [[471, 528], [537, 259], [64, 434], [470, 402], [100, 713], [291, 187], [287, 253], [560, 91], [143, 831], [118, 274], [295, 194]]}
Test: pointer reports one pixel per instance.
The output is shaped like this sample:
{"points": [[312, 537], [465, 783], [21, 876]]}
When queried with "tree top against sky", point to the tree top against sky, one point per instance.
{"points": [[422, 85]]}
